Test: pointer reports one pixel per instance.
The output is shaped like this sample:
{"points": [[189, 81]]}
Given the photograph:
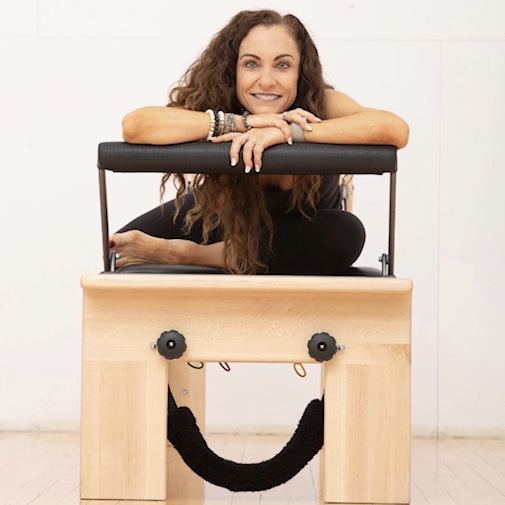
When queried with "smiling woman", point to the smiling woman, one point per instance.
{"points": [[258, 84]]}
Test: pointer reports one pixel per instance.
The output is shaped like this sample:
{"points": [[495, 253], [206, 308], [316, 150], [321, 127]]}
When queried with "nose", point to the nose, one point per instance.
{"points": [[267, 77]]}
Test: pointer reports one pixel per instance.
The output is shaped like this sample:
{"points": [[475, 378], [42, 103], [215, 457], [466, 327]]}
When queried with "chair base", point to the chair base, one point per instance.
{"points": [[366, 454]]}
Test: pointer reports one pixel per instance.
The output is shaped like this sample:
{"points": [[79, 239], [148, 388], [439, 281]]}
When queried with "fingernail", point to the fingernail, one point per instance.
{"points": [[308, 127], [233, 162], [112, 243], [257, 168], [290, 141], [318, 119], [247, 169]]}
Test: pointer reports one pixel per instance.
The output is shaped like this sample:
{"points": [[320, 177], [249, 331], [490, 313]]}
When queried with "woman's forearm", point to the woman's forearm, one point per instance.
{"points": [[165, 125], [369, 126], [169, 125]]}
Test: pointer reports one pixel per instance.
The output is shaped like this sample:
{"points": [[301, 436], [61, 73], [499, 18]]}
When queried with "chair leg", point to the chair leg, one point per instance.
{"points": [[188, 388], [123, 414], [366, 456]]}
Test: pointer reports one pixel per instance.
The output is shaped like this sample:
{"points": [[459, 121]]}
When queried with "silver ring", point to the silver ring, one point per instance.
{"points": [[116, 255], [285, 115]]}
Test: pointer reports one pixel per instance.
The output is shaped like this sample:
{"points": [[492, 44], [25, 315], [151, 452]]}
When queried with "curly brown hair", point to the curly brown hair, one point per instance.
{"points": [[234, 203]]}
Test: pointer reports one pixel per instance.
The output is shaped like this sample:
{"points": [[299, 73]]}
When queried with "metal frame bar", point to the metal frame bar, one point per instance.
{"points": [[392, 224], [104, 216], [387, 260]]}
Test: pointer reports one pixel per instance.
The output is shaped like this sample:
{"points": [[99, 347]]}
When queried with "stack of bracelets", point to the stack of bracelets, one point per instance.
{"points": [[224, 122]]}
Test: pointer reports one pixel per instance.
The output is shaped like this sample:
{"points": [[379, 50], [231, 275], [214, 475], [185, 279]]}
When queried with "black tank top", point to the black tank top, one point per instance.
{"points": [[278, 200], [329, 193]]}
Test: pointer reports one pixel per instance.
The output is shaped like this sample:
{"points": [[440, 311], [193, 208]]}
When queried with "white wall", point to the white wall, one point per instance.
{"points": [[71, 69]]}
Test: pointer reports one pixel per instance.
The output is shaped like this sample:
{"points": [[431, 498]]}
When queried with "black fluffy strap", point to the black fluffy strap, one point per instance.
{"points": [[305, 443]]}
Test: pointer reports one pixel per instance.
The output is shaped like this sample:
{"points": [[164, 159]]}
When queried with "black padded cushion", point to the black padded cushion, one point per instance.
{"points": [[195, 269], [204, 157], [168, 269]]}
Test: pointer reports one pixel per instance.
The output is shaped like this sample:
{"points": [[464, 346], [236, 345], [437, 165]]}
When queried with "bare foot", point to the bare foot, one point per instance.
{"points": [[134, 247]]}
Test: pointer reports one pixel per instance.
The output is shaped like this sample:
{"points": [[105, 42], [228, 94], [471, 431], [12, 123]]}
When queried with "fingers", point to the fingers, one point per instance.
{"points": [[236, 145], [252, 152], [300, 116], [286, 130]]}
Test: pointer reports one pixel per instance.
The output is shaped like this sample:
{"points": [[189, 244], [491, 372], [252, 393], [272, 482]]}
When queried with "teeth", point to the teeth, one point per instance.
{"points": [[266, 97]]}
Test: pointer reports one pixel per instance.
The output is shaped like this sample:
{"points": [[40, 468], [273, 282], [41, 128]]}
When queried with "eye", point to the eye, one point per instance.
{"points": [[283, 65], [250, 64]]}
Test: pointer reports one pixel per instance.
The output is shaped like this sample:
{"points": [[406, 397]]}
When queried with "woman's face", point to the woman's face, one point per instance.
{"points": [[267, 70]]}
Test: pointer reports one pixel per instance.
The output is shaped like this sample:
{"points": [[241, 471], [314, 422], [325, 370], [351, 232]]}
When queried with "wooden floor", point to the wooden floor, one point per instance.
{"points": [[43, 469]]}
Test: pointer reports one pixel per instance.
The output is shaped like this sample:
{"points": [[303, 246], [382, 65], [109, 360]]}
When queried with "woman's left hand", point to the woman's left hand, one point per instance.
{"points": [[252, 143]]}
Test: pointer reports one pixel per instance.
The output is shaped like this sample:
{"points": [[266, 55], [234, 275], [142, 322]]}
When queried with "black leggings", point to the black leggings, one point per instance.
{"points": [[326, 244]]}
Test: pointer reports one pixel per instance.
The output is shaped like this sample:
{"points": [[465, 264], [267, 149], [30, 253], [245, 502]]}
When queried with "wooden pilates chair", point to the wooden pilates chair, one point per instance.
{"points": [[128, 359]]}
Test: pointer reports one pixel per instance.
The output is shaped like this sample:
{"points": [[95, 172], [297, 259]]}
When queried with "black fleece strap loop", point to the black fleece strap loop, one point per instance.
{"points": [[305, 443]]}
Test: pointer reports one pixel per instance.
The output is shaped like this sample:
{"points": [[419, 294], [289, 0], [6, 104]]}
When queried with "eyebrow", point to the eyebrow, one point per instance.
{"points": [[250, 55]]}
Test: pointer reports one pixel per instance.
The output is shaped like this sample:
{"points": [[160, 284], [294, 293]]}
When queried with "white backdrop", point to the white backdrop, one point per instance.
{"points": [[71, 69]]}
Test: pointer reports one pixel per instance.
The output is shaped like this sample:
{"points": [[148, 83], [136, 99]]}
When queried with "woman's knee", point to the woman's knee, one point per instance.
{"points": [[328, 244]]}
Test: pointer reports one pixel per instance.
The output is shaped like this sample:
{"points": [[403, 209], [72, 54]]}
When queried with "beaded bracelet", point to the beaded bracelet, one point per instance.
{"points": [[220, 121], [229, 122], [247, 126], [216, 119], [212, 127]]}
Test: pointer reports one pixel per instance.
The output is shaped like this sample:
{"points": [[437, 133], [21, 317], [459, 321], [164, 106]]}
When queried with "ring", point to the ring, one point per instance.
{"points": [[116, 255], [285, 115]]}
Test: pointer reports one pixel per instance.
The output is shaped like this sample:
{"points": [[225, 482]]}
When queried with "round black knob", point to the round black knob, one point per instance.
{"points": [[322, 346], [171, 344]]}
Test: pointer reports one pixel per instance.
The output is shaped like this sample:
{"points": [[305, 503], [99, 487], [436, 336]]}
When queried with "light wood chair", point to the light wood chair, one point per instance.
{"points": [[232, 318]]}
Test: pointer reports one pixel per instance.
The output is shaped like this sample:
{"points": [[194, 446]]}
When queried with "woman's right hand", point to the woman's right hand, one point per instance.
{"points": [[282, 121], [301, 117]]}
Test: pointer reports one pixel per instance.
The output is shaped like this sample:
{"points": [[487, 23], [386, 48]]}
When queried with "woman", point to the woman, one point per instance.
{"points": [[258, 84]]}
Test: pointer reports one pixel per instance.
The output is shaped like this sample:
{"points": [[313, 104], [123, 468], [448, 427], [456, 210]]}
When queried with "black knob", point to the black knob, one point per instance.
{"points": [[322, 346], [171, 344]]}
